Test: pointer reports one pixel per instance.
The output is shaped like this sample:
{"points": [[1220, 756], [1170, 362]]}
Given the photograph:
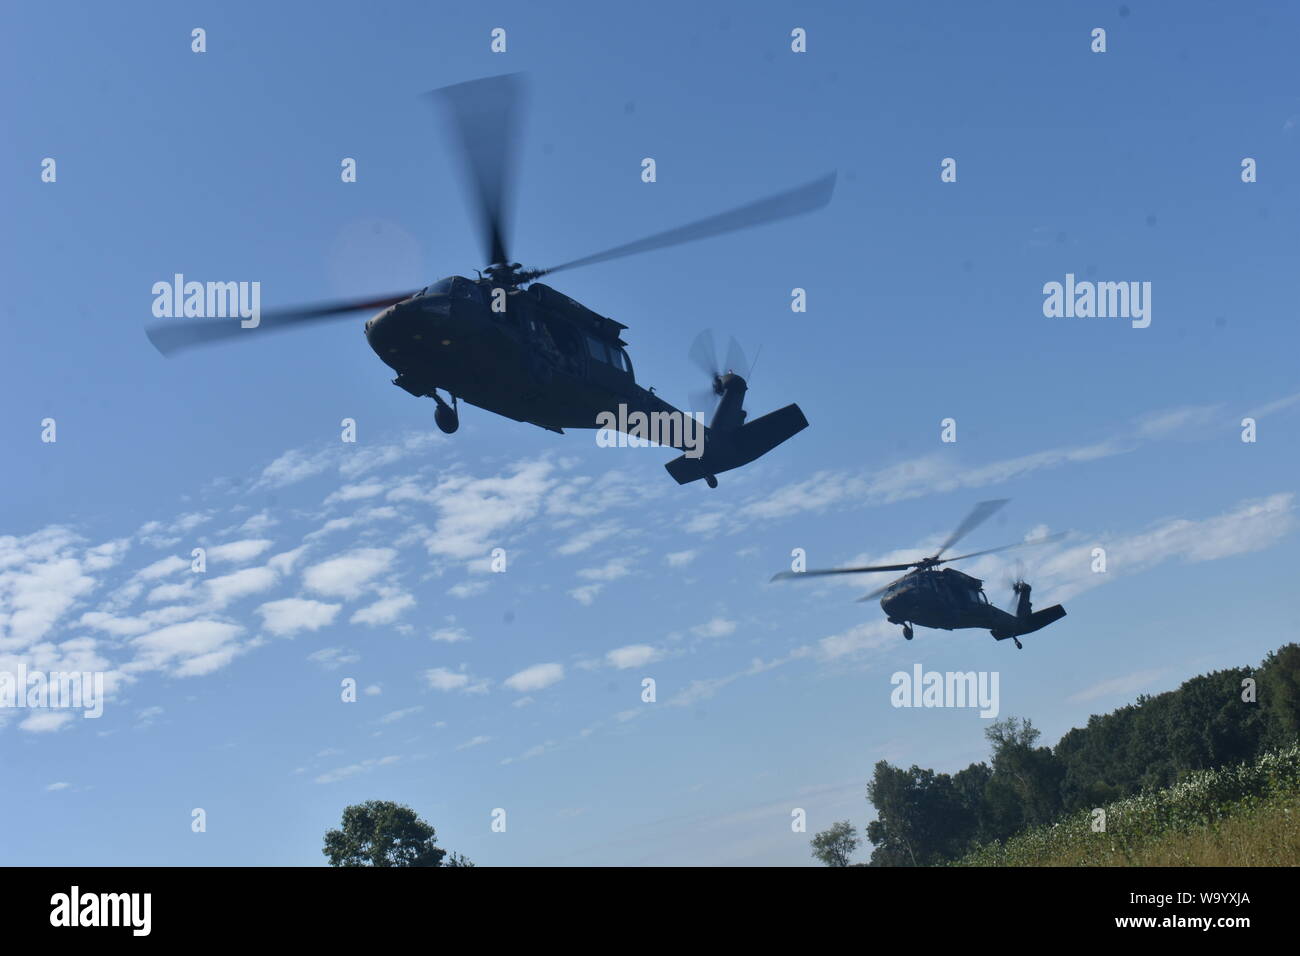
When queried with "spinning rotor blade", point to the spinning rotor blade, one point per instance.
{"points": [[176, 334], [875, 594], [787, 575], [705, 355], [978, 515], [483, 116], [1007, 547], [736, 359], [793, 202]]}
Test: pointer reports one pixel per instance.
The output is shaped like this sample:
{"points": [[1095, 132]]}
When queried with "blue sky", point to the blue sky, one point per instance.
{"points": [[522, 690]]}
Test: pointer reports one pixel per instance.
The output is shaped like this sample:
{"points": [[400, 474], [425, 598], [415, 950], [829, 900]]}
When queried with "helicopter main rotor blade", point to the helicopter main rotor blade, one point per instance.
{"points": [[792, 202], [819, 572], [978, 515], [1007, 547], [177, 334], [876, 593], [484, 116]]}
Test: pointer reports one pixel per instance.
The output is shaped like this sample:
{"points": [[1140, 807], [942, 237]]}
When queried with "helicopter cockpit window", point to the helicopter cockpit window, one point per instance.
{"points": [[464, 289], [618, 359], [441, 287], [597, 349]]}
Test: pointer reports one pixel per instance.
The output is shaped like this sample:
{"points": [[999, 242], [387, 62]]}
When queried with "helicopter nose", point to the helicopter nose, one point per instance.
{"points": [[407, 328]]}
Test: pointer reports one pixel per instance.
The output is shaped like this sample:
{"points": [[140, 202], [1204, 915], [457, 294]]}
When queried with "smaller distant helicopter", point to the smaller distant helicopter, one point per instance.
{"points": [[947, 599]]}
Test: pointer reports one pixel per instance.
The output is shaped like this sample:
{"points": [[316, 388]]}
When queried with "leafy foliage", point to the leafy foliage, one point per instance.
{"points": [[1200, 802], [1155, 744], [834, 846], [382, 833]]}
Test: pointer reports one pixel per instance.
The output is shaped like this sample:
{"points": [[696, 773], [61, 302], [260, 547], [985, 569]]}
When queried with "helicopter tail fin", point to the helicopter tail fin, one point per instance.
{"points": [[727, 450], [1040, 619]]}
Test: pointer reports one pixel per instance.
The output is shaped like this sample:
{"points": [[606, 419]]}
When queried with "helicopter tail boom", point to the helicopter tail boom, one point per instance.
{"points": [[1033, 622], [725, 450]]}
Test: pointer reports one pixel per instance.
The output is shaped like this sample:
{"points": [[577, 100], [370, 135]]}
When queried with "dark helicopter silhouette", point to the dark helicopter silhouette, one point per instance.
{"points": [[947, 599], [509, 344]]}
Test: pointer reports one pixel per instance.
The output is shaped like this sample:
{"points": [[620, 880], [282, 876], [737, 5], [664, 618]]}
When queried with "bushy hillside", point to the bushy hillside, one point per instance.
{"points": [[1148, 757], [1248, 815]]}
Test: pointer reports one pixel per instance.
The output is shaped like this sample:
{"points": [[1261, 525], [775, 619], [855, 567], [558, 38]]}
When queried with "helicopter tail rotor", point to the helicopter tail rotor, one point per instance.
{"points": [[722, 403]]}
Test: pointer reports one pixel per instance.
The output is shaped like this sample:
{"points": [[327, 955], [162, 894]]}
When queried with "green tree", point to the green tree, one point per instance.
{"points": [[382, 833], [835, 845], [922, 817], [1025, 789]]}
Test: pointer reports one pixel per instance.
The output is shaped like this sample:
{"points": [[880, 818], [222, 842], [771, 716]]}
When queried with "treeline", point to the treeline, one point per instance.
{"points": [[1219, 719]]}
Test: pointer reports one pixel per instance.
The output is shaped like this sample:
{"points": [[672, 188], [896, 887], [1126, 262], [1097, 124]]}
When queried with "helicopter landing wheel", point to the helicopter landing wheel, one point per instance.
{"points": [[446, 416], [1019, 646], [907, 632], [711, 481]]}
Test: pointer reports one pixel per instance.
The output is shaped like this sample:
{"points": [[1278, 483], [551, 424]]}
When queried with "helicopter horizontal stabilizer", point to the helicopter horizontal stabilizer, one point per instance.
{"points": [[1036, 622], [731, 449]]}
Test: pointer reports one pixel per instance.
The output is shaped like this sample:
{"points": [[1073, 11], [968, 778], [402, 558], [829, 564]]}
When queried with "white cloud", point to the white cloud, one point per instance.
{"points": [[611, 570], [716, 627], [633, 655], [449, 635], [332, 658], [348, 574], [290, 615], [1118, 686], [474, 513], [356, 492], [474, 742], [396, 715], [586, 594], [188, 647], [41, 579], [440, 678], [679, 559], [240, 584], [537, 677], [468, 589], [291, 467], [585, 539], [161, 568], [238, 552], [46, 721], [866, 636], [352, 770], [386, 610], [1250, 526]]}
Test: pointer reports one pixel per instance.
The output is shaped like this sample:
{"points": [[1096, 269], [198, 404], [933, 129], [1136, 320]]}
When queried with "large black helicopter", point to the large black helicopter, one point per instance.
{"points": [[514, 346], [947, 599]]}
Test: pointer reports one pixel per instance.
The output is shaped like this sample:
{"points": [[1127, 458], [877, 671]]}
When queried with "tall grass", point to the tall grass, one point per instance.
{"points": [[1248, 815]]}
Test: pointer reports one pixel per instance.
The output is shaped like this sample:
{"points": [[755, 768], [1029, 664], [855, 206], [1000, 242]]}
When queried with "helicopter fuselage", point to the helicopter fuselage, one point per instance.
{"points": [[942, 598], [948, 600], [533, 355]]}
